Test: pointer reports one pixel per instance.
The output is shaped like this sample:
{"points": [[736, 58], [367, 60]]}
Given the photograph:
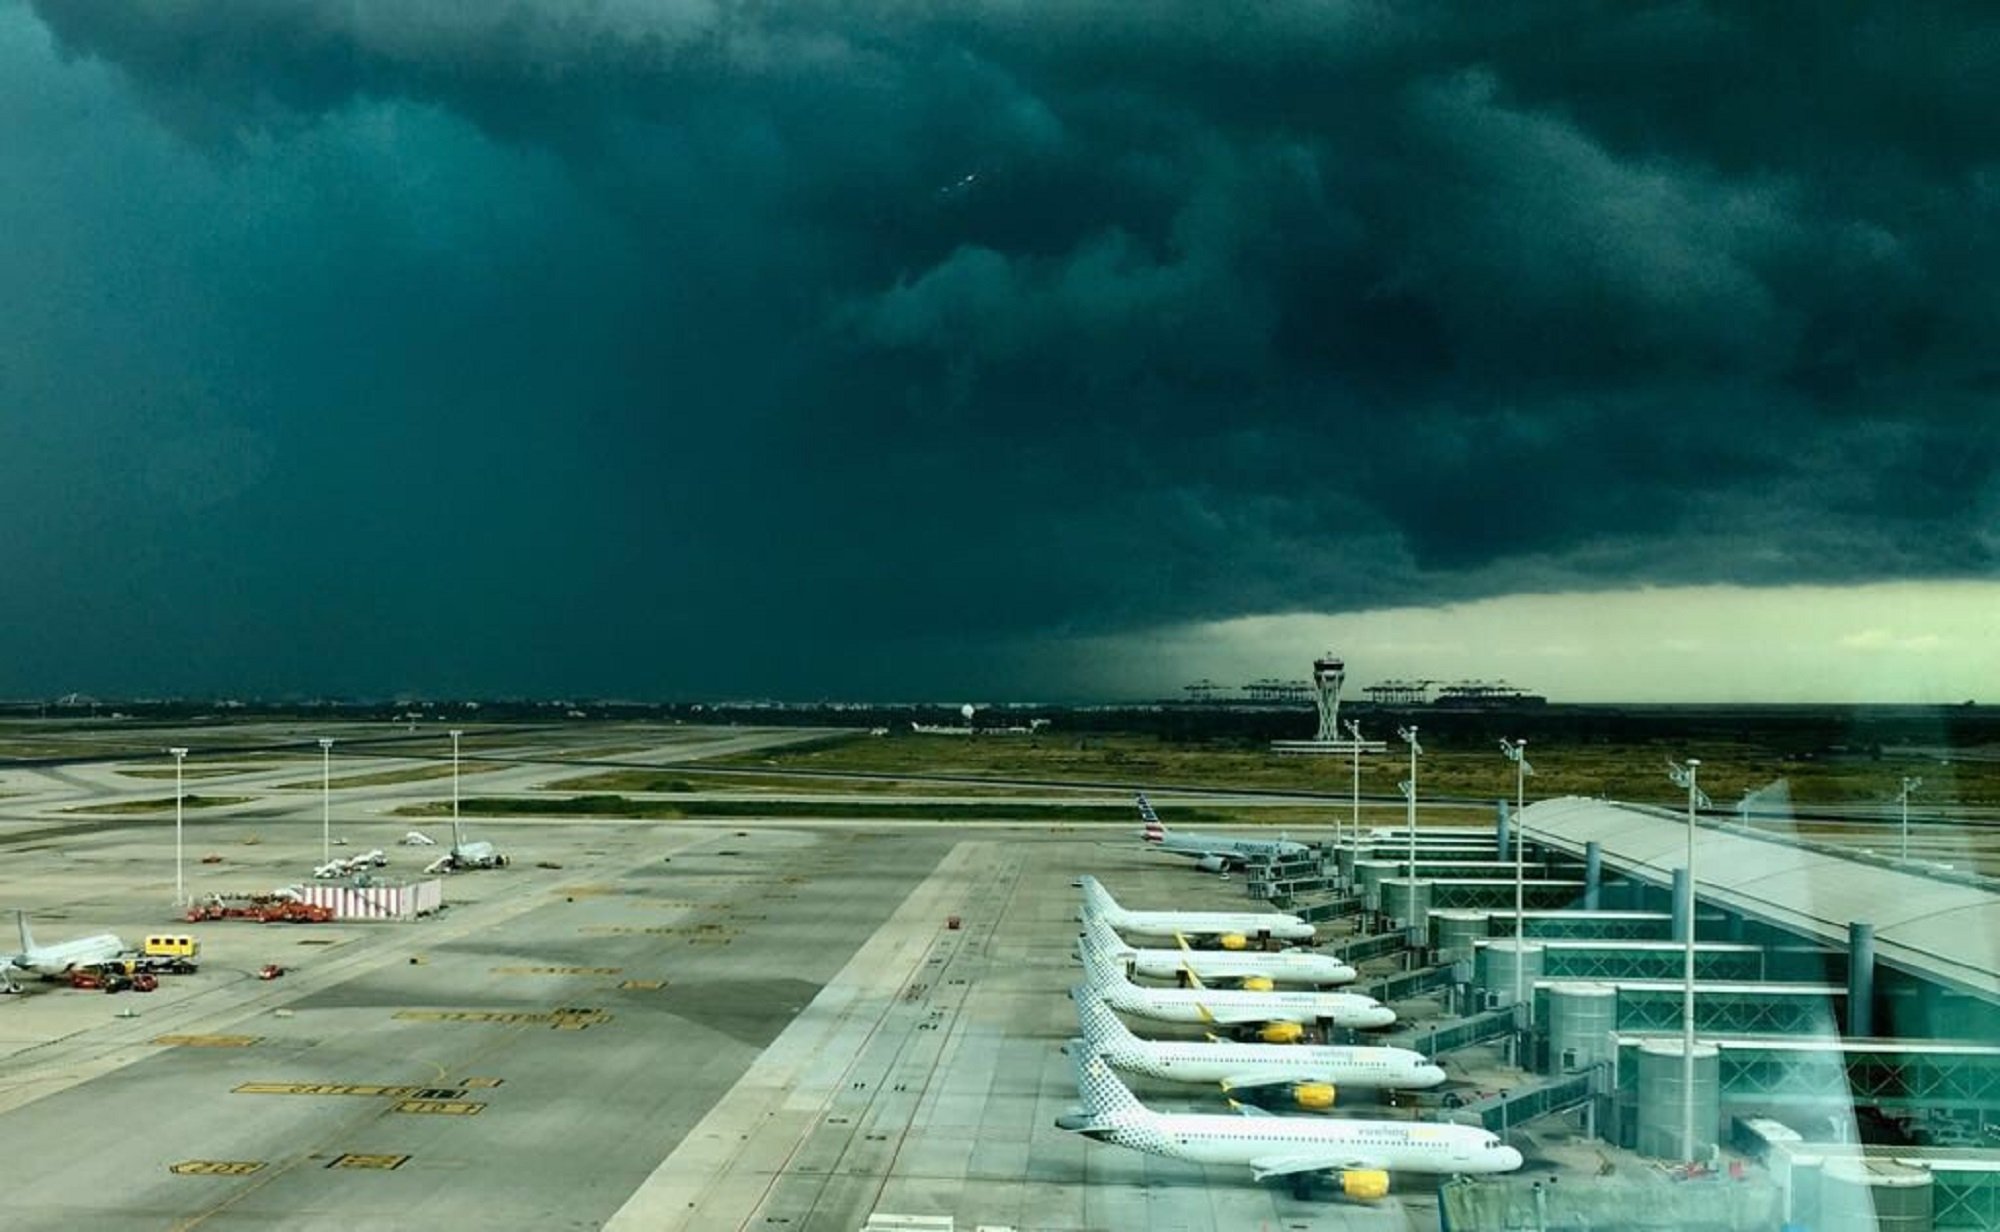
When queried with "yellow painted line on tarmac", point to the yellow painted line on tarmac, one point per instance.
{"points": [[216, 1167], [207, 1041], [558, 970], [480, 1084], [642, 985], [566, 1019], [325, 1088], [442, 1107], [382, 1163]]}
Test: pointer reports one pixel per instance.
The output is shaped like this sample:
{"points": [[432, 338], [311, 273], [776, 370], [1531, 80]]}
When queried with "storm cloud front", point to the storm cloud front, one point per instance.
{"points": [[667, 347]]}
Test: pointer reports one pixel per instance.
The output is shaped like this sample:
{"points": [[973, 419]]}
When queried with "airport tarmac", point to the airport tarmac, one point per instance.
{"points": [[682, 1027]]}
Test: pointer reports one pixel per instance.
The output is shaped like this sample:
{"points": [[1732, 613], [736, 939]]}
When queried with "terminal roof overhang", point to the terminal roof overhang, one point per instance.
{"points": [[1945, 931]]}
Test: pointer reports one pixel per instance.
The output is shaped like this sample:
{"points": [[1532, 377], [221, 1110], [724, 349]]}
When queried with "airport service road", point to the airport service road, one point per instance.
{"points": [[530, 1072]]}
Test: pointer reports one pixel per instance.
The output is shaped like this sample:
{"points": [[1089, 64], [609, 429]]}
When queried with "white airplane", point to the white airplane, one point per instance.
{"points": [[1258, 970], [1233, 930], [1274, 1017], [1359, 1154], [54, 960], [417, 838], [471, 855], [1212, 853], [1308, 1073]]}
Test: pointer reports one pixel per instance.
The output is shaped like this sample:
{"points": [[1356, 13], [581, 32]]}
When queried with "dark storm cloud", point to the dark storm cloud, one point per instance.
{"points": [[828, 326]]}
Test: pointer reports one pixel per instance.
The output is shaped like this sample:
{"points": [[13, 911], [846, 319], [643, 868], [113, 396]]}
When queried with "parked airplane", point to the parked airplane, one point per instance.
{"points": [[1274, 1017], [1308, 1074], [467, 855], [1212, 853], [1358, 1154], [52, 960], [1232, 930], [1258, 970]]}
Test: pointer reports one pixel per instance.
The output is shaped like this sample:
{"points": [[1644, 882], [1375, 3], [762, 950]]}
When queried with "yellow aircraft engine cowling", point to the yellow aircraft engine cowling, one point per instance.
{"points": [[1281, 1033], [1257, 983], [1233, 941], [1316, 1095], [1368, 1186]]}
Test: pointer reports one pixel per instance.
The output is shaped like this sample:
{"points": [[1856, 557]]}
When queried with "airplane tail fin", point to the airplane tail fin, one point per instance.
{"points": [[1104, 1096], [1155, 831], [1096, 899], [1100, 1026], [1100, 969]]}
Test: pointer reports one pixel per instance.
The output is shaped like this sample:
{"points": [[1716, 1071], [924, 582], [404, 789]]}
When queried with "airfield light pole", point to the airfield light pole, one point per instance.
{"points": [[180, 884], [1686, 777], [325, 799], [1909, 785], [455, 734], [1517, 752], [1409, 735], [1353, 731]]}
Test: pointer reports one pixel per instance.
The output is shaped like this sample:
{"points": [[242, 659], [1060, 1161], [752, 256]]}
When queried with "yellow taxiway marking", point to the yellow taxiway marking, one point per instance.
{"points": [[480, 1084], [558, 970], [325, 1088], [208, 1041], [641, 985], [215, 1167], [382, 1162], [565, 1019], [442, 1107]]}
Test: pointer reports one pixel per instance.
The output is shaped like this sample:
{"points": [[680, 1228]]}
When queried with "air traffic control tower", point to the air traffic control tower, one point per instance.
{"points": [[1329, 673]]}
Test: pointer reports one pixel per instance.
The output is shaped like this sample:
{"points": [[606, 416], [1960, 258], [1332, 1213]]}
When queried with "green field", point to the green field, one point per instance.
{"points": [[1632, 772], [606, 805], [188, 803]]}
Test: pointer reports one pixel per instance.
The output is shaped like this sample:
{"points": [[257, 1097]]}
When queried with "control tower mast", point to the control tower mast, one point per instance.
{"points": [[1329, 673]]}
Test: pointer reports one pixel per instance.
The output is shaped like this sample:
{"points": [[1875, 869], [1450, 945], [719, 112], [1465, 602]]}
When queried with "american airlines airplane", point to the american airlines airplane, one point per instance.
{"points": [[1233, 930], [1307, 1073], [1359, 1154], [1260, 970], [1212, 853], [1274, 1017]]}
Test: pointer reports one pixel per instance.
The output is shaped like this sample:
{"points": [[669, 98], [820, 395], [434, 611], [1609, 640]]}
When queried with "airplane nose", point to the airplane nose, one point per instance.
{"points": [[1380, 1016], [1510, 1159], [1432, 1074]]}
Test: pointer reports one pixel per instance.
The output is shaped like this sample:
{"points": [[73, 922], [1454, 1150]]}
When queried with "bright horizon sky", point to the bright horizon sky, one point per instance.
{"points": [[1914, 642]]}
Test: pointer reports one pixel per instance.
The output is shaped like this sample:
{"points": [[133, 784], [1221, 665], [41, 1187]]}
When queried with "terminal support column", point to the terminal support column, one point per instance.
{"points": [[1860, 978], [1593, 874]]}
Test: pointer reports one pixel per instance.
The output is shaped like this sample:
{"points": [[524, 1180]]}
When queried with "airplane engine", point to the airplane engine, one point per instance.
{"points": [[1212, 864], [1233, 941], [1315, 1095], [1368, 1185], [1257, 983], [1281, 1033]]}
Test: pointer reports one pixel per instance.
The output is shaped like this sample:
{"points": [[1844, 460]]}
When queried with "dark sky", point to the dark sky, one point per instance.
{"points": [[658, 348]]}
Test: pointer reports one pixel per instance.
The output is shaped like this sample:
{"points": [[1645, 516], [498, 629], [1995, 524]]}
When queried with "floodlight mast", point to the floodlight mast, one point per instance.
{"points": [[1517, 752], [1687, 777], [1409, 735], [1909, 785], [455, 734], [180, 884], [326, 799], [1353, 730]]}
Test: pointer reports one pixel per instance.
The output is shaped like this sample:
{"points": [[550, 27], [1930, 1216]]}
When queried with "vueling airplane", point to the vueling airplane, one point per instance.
{"points": [[1212, 853], [1233, 930], [1359, 1155], [1309, 1074], [1259, 970], [1274, 1017]]}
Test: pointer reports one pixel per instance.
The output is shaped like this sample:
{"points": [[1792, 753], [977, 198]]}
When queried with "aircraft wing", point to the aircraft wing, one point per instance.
{"points": [[1252, 1082], [1293, 1162], [1232, 1016]]}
